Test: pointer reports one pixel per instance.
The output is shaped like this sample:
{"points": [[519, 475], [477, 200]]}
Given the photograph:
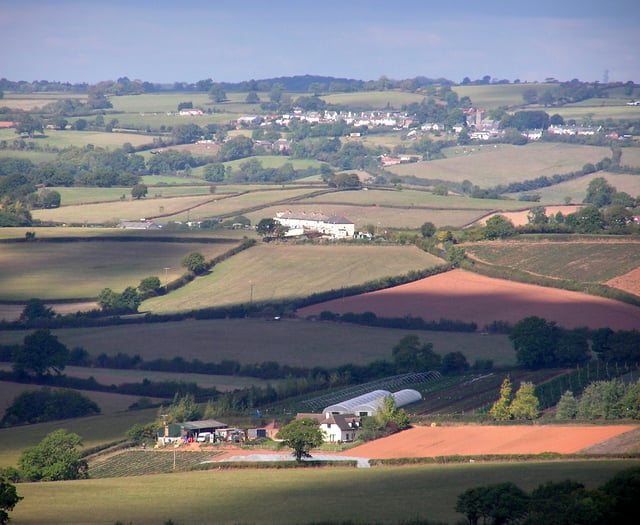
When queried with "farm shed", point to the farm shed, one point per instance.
{"points": [[189, 430], [368, 404]]}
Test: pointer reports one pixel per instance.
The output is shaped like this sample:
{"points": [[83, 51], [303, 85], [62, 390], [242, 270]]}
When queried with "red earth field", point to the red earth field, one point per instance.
{"points": [[470, 440], [466, 296]]}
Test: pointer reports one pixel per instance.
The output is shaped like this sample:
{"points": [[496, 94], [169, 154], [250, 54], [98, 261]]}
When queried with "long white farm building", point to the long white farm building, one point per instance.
{"points": [[301, 223]]}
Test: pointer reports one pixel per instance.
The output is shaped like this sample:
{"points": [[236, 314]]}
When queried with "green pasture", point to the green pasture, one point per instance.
{"points": [[55, 232], [87, 195], [157, 102], [29, 101], [276, 161], [276, 272], [576, 189], [293, 342], [230, 205], [94, 430], [630, 157], [488, 165], [600, 111], [55, 270], [385, 495], [69, 138], [127, 210], [36, 157], [109, 403], [583, 261], [386, 217], [366, 100], [497, 95], [156, 121]]}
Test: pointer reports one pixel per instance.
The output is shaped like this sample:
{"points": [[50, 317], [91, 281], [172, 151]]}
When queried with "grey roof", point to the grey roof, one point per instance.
{"points": [[203, 424]]}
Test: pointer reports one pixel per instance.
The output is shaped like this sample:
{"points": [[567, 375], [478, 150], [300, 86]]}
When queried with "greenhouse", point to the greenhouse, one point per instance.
{"points": [[368, 404]]}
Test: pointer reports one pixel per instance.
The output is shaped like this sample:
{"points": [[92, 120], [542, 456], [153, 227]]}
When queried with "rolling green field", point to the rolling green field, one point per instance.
{"points": [[595, 262], [66, 139], [576, 189], [289, 341], [489, 165], [85, 195], [373, 99], [56, 270], [496, 95], [385, 495], [274, 272], [94, 430]]}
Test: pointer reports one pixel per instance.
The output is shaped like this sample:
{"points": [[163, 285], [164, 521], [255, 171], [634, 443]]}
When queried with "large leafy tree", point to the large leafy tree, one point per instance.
{"points": [[498, 227], [535, 341], [35, 309], [194, 262], [501, 410], [302, 435], [410, 355], [55, 458], [8, 499], [40, 354], [501, 503], [525, 405]]}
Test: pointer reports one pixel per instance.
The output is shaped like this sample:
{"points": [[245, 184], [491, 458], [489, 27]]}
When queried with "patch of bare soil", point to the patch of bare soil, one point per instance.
{"points": [[629, 282], [466, 296], [478, 440], [621, 444]]}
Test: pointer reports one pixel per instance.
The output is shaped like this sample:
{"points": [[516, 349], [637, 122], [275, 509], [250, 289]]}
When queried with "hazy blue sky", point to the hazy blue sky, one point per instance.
{"points": [[190, 40]]}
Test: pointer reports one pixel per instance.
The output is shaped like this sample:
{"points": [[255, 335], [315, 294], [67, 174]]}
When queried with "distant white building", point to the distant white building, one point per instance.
{"points": [[301, 223]]}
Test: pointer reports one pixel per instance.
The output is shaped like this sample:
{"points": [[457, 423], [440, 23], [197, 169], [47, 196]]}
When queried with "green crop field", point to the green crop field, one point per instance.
{"points": [[85, 195], [373, 99], [496, 95], [576, 189], [292, 342], [583, 261], [65, 139], [29, 101], [54, 270], [276, 272], [385, 495], [489, 165]]}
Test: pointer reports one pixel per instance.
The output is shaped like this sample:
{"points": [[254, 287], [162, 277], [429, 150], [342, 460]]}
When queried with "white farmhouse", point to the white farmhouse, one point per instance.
{"points": [[301, 223]]}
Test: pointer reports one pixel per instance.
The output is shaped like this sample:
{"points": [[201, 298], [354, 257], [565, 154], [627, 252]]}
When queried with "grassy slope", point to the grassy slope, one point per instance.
{"points": [[273, 272], [378, 495], [82, 269], [581, 261], [488, 165]]}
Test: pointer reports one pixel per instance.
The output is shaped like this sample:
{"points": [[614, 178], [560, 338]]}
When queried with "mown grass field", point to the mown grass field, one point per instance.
{"points": [[373, 99], [68, 138], [576, 189], [94, 430], [85, 195], [583, 261], [55, 270], [289, 342], [496, 95], [275, 272], [489, 165], [385, 495]]}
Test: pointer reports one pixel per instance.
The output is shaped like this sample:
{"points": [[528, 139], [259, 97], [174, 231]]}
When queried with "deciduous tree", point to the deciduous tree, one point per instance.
{"points": [[194, 262], [8, 499], [55, 458], [302, 435], [40, 354]]}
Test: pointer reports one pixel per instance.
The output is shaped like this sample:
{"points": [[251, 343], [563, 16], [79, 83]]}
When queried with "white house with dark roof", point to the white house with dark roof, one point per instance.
{"points": [[336, 427], [301, 223]]}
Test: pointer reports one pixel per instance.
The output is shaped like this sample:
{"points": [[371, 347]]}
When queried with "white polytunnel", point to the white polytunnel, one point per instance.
{"points": [[368, 404]]}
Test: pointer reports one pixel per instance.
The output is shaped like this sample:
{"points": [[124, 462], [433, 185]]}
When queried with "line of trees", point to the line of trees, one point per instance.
{"points": [[554, 502]]}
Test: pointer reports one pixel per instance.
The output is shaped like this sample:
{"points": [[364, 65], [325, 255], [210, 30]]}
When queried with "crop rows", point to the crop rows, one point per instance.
{"points": [[142, 462]]}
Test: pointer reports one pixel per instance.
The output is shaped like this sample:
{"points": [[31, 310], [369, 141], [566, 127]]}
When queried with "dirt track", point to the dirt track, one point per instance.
{"points": [[466, 296]]}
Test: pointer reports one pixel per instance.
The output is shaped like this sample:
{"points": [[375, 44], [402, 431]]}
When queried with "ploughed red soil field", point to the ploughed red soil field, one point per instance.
{"points": [[466, 296], [469, 440]]}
